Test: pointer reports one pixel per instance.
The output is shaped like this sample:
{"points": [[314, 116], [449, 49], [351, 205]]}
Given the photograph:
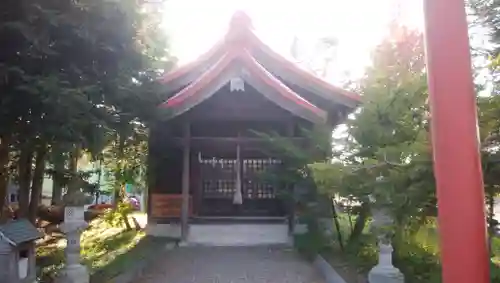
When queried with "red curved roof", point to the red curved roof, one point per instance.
{"points": [[197, 85], [313, 113], [238, 45], [184, 69], [257, 70]]}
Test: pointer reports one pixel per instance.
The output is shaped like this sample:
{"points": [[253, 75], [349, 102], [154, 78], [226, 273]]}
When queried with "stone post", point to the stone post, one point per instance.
{"points": [[73, 226], [325, 221], [384, 271]]}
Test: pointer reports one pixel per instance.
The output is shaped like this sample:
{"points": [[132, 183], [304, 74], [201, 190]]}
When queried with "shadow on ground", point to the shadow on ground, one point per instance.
{"points": [[143, 251]]}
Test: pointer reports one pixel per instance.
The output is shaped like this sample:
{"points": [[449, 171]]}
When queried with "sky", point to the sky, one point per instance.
{"points": [[358, 25]]}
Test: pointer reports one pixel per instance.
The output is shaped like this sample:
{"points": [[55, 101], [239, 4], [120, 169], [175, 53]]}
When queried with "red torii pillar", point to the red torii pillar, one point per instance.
{"points": [[457, 166]]}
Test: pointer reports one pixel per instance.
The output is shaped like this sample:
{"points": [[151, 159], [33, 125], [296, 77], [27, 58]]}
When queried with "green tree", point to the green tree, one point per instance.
{"points": [[73, 72], [387, 137], [294, 177]]}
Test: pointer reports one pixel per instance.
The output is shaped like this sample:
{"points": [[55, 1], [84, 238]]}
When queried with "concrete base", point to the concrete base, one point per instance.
{"points": [[238, 234], [300, 229], [74, 274], [385, 274], [329, 274], [172, 230], [225, 234]]}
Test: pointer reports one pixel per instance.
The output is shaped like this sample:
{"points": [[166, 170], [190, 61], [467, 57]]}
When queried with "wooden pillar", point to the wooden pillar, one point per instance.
{"points": [[196, 184], [152, 168], [239, 164], [185, 180], [238, 197], [290, 201], [457, 166]]}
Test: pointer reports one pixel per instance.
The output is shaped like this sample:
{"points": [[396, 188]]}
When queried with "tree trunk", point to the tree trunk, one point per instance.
{"points": [[128, 227], [151, 166], [119, 180], [349, 216], [25, 171], [4, 177], [337, 225], [360, 223], [73, 160], [99, 177], [57, 180], [37, 184], [73, 169]]}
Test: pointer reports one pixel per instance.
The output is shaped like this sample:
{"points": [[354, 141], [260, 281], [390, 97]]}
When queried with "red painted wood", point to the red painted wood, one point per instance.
{"points": [[201, 82], [292, 67], [257, 70], [168, 205], [457, 164], [254, 68], [185, 69]]}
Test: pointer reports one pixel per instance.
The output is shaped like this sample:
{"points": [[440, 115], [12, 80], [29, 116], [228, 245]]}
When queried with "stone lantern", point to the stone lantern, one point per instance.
{"points": [[384, 271], [73, 226]]}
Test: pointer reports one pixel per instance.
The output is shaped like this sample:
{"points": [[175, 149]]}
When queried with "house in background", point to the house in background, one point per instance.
{"points": [[12, 193]]}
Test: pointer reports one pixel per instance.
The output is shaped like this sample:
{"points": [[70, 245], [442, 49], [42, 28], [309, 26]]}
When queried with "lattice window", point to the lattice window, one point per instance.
{"points": [[253, 186], [219, 178], [218, 188]]}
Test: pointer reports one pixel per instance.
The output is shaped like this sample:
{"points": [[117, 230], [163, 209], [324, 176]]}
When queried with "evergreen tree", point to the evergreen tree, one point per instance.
{"points": [[74, 73]]}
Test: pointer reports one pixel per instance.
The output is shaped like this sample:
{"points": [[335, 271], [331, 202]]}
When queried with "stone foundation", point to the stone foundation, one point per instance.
{"points": [[238, 234], [170, 230], [231, 234]]}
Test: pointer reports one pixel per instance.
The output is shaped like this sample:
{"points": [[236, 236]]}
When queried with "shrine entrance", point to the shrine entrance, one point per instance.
{"points": [[219, 178]]}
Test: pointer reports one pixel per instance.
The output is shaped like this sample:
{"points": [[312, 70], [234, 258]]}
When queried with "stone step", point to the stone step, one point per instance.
{"points": [[238, 234], [236, 220]]}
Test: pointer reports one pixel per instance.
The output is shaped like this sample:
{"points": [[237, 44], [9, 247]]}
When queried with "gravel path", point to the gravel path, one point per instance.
{"points": [[230, 265]]}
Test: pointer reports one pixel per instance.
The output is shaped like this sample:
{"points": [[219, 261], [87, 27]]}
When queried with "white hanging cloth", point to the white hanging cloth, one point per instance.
{"points": [[238, 197]]}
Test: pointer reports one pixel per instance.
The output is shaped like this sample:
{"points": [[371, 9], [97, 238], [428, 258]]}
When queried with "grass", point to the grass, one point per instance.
{"points": [[106, 250], [417, 256], [356, 261], [345, 267], [144, 249]]}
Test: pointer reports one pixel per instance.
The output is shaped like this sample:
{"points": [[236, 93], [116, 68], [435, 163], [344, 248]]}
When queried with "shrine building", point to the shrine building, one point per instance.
{"points": [[205, 159]]}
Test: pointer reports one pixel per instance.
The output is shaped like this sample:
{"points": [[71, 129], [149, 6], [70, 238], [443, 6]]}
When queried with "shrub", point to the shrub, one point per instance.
{"points": [[101, 206], [118, 216], [495, 272]]}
